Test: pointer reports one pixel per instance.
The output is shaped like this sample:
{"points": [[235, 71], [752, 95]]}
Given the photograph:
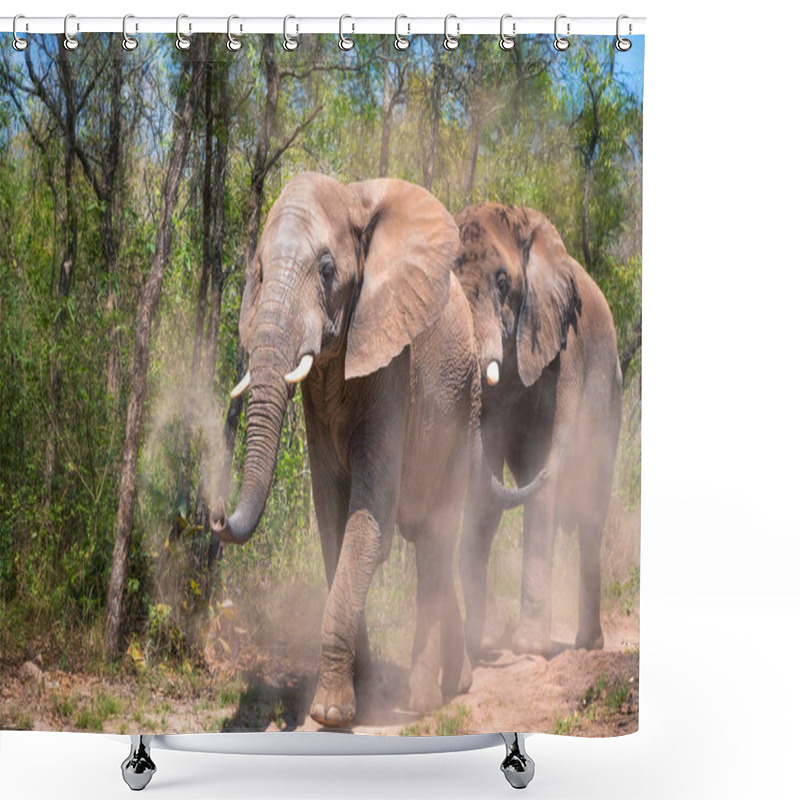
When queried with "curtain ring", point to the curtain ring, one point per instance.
{"points": [[181, 41], [450, 41], [623, 45], [70, 42], [561, 43], [401, 42], [345, 42], [507, 42], [233, 44], [289, 42], [19, 43], [128, 42]]}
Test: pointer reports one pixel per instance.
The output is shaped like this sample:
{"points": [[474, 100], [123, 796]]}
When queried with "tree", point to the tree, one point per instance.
{"points": [[186, 107]]}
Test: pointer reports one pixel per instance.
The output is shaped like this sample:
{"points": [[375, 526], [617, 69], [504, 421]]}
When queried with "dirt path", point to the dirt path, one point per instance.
{"points": [[575, 692], [589, 693]]}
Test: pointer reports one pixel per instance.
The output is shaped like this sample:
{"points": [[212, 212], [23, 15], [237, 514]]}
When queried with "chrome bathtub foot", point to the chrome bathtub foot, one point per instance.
{"points": [[138, 768], [517, 766]]}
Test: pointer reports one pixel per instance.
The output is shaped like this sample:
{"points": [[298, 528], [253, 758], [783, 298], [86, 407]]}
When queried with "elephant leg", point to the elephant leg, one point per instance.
{"points": [[590, 634], [426, 655], [456, 666], [363, 662], [598, 478], [481, 518], [539, 531], [331, 512], [334, 703], [371, 517]]}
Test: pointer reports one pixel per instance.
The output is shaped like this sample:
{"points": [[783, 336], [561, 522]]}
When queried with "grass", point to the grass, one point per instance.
{"points": [[627, 591], [93, 715], [565, 725], [447, 722], [229, 695], [601, 700], [14, 719], [64, 705]]}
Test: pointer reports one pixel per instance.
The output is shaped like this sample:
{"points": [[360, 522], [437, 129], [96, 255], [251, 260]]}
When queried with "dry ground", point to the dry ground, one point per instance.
{"points": [[578, 692], [258, 669]]}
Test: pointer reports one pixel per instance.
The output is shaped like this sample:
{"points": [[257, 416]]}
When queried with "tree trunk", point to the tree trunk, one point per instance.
{"points": [[185, 113], [435, 111], [222, 120], [265, 129], [475, 132], [388, 108], [109, 236]]}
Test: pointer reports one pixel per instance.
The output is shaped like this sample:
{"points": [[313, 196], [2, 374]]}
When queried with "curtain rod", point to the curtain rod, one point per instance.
{"points": [[408, 26]]}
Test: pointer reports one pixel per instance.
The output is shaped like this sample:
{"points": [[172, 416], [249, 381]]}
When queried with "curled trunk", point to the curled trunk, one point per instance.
{"points": [[269, 396], [504, 496]]}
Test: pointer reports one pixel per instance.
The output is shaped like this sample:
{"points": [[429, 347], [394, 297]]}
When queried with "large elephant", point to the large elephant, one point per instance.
{"points": [[552, 390], [351, 292]]}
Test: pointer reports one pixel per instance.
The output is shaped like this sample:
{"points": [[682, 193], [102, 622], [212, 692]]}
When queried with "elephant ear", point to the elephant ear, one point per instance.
{"points": [[408, 243], [551, 303]]}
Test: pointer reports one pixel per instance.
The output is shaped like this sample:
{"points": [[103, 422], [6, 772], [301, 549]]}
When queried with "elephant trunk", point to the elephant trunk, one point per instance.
{"points": [[505, 497], [269, 396]]}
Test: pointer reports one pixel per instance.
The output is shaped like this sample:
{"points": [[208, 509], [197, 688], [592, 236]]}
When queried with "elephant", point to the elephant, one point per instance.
{"points": [[551, 397], [351, 293]]}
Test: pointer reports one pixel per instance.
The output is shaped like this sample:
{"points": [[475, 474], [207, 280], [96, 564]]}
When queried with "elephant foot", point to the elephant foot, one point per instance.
{"points": [[334, 708], [532, 638], [425, 692], [589, 640]]}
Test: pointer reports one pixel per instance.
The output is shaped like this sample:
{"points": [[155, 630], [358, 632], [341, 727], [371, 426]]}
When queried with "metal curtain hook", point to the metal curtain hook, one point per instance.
{"points": [[19, 43], [70, 42], [181, 41], [401, 42], [345, 43], [233, 43], [289, 42], [450, 41], [507, 42], [561, 43], [128, 42], [623, 45]]}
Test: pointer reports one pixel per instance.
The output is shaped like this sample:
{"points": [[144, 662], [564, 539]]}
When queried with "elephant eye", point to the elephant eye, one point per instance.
{"points": [[503, 284], [327, 269]]}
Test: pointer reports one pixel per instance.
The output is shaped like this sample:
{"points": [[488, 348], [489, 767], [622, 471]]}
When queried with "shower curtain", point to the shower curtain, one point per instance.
{"points": [[320, 385]]}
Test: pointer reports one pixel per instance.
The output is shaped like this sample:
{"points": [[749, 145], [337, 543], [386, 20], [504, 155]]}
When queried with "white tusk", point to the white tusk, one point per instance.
{"points": [[241, 387], [493, 373], [301, 370]]}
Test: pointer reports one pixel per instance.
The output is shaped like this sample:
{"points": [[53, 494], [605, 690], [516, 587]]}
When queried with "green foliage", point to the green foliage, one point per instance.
{"points": [[564, 726], [92, 715], [602, 700], [447, 722], [628, 591]]}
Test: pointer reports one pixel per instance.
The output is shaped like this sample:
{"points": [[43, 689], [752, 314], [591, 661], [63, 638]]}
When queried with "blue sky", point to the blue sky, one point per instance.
{"points": [[630, 66]]}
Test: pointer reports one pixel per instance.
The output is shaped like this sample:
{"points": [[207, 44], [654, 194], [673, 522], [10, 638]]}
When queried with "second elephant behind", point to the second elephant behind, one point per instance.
{"points": [[552, 398]]}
